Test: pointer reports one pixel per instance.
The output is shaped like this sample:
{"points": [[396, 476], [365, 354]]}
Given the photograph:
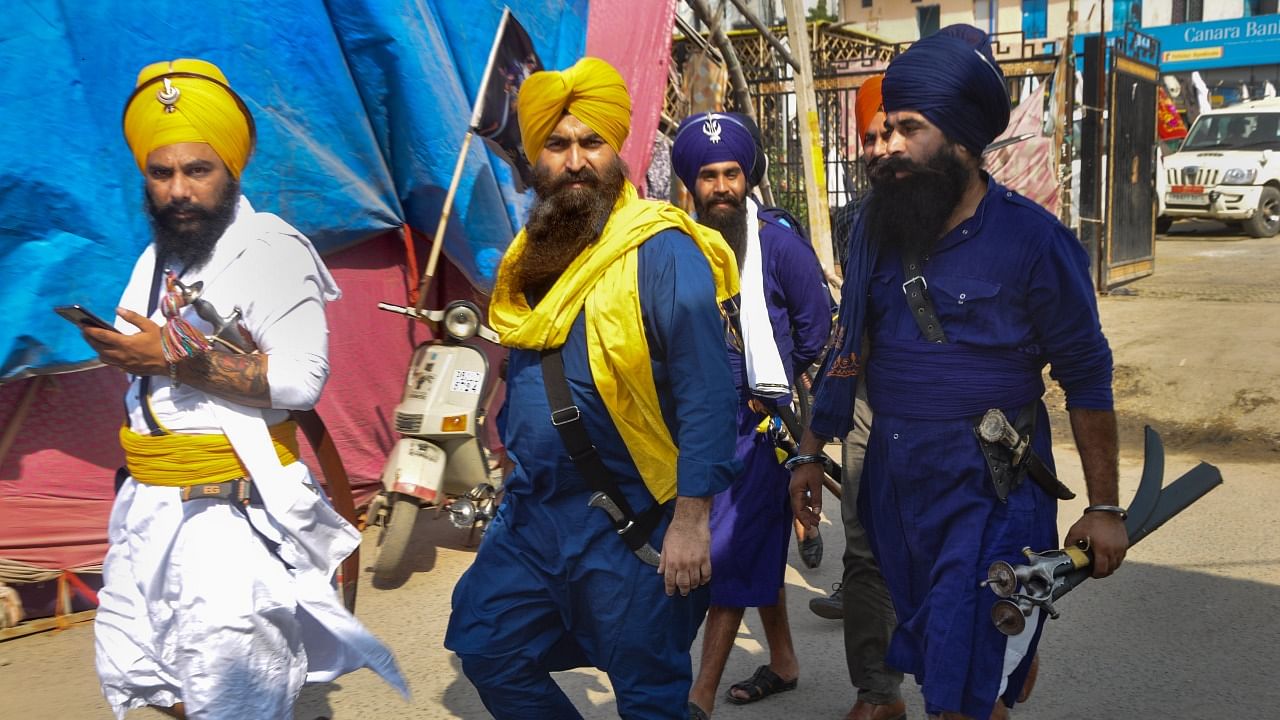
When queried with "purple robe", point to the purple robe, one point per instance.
{"points": [[751, 521]]}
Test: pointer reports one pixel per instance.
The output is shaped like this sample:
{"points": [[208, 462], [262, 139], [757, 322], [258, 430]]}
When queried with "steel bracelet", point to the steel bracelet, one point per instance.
{"points": [[1124, 514], [798, 460]]}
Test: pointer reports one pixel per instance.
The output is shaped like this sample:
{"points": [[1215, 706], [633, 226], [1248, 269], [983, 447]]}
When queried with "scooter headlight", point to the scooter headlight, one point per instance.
{"points": [[461, 320], [462, 513]]}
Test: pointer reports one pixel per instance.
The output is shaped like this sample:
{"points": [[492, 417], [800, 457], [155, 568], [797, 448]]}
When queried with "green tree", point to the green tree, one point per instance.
{"points": [[819, 13]]}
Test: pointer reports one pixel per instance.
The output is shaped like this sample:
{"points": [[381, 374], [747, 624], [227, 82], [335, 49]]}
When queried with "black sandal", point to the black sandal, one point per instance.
{"points": [[759, 686], [697, 713]]}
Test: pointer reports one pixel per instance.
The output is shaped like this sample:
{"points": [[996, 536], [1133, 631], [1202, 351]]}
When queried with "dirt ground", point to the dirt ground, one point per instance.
{"points": [[1187, 629]]}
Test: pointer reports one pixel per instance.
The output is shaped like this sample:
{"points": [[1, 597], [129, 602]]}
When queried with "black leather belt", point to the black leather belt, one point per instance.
{"points": [[240, 490]]}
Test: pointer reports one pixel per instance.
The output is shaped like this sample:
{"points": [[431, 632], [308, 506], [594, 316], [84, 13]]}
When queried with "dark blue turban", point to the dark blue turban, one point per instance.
{"points": [[952, 79], [707, 138]]}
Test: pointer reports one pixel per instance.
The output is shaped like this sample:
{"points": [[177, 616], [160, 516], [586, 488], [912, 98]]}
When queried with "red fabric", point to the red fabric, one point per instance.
{"points": [[1169, 123], [636, 39], [56, 485]]}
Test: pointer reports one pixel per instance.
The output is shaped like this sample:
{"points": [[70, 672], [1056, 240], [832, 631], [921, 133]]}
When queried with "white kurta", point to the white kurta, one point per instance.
{"points": [[195, 605]]}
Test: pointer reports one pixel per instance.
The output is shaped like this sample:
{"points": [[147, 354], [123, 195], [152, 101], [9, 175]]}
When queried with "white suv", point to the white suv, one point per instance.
{"points": [[1228, 169]]}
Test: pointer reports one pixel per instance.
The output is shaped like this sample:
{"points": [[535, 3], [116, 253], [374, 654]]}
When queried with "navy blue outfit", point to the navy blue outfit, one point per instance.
{"points": [[553, 587], [751, 521], [1011, 288]]}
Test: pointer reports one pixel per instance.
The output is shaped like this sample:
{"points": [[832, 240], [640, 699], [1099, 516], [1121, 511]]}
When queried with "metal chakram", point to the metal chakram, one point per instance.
{"points": [[1049, 575]]}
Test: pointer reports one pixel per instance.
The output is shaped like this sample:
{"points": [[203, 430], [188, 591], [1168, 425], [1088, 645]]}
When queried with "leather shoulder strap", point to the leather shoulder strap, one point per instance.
{"points": [[916, 288]]}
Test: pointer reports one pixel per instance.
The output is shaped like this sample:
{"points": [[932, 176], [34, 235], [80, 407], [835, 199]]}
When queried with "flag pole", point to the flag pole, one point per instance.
{"points": [[437, 241]]}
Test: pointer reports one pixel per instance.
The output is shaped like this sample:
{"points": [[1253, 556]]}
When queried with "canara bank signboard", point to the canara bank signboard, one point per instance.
{"points": [[1220, 44], [1225, 43]]}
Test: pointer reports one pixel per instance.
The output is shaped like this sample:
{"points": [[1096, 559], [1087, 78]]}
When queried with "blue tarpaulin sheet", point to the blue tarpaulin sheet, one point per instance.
{"points": [[360, 105]]}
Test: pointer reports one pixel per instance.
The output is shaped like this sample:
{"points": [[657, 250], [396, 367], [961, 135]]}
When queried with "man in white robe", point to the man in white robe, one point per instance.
{"points": [[217, 599]]}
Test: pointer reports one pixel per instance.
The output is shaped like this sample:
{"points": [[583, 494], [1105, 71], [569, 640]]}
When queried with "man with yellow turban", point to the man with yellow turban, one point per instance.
{"points": [[217, 599], [611, 306]]}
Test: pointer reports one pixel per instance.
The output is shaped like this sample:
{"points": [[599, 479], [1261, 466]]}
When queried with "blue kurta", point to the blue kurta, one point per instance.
{"points": [[751, 521], [1011, 288], [553, 587]]}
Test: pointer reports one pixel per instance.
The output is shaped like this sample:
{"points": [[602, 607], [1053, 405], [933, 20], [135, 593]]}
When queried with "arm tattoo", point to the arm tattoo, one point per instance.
{"points": [[238, 378]]}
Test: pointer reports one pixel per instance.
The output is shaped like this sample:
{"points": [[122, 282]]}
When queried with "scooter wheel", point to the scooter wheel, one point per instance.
{"points": [[395, 541]]}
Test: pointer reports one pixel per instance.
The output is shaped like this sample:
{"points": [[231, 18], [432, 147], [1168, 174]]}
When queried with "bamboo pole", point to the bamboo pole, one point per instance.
{"points": [[815, 181], [437, 242]]}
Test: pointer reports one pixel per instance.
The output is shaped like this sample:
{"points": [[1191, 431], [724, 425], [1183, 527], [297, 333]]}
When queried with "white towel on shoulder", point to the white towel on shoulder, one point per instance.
{"points": [[766, 375]]}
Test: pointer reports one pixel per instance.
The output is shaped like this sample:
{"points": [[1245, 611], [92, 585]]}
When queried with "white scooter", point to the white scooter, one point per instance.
{"points": [[440, 461]]}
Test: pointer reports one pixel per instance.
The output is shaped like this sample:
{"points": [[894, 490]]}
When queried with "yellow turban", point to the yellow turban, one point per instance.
{"points": [[197, 105], [591, 90]]}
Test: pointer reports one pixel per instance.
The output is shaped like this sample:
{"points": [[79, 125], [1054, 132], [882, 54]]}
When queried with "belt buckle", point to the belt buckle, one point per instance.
{"points": [[564, 416], [923, 282]]}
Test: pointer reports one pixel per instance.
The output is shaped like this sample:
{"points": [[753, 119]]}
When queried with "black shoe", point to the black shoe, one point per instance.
{"points": [[830, 607], [811, 550]]}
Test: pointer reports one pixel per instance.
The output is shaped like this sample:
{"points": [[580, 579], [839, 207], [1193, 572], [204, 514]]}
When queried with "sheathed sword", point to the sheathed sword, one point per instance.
{"points": [[1047, 576], [228, 332], [645, 552]]}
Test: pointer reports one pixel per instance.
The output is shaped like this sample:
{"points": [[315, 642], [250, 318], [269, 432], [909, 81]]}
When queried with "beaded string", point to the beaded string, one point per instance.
{"points": [[178, 339]]}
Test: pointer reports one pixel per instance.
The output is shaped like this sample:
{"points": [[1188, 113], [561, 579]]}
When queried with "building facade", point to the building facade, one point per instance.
{"points": [[1234, 45], [904, 20]]}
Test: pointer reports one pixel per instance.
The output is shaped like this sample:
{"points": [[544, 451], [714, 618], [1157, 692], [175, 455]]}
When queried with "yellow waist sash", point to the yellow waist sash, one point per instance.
{"points": [[175, 460]]}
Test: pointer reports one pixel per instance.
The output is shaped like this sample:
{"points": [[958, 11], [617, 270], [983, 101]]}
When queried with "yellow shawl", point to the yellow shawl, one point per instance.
{"points": [[604, 279]]}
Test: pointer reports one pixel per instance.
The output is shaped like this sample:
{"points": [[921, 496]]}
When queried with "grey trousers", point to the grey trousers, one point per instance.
{"points": [[869, 619]]}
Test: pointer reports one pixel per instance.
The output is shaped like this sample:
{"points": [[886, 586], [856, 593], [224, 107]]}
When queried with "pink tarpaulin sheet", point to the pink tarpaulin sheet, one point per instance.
{"points": [[1028, 166], [56, 484], [635, 37]]}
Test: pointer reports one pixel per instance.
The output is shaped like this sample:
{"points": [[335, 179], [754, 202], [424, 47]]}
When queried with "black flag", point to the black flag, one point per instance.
{"points": [[511, 60]]}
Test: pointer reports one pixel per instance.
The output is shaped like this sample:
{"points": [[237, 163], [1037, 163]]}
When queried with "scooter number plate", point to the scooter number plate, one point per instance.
{"points": [[467, 381]]}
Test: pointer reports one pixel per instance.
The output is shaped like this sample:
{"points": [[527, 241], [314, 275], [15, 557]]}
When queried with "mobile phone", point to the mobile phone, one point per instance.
{"points": [[82, 317]]}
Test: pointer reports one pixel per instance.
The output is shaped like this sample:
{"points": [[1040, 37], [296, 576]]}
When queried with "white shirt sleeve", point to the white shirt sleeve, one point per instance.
{"points": [[286, 318]]}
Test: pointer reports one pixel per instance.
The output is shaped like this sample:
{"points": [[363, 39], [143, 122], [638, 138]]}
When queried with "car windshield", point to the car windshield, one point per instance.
{"points": [[1235, 131]]}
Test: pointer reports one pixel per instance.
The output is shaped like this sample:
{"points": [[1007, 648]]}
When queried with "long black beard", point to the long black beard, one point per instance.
{"points": [[730, 221], [563, 221], [911, 213], [189, 244]]}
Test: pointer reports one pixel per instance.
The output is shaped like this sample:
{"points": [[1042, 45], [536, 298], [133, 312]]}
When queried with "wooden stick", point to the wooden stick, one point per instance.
{"points": [[19, 416], [31, 627], [437, 242]]}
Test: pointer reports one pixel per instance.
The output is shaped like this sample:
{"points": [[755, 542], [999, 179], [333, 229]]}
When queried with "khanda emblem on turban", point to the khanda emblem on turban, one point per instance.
{"points": [[168, 96], [711, 128]]}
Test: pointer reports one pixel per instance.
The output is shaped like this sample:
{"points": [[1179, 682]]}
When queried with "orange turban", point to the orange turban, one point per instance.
{"points": [[868, 103], [188, 100], [591, 90]]}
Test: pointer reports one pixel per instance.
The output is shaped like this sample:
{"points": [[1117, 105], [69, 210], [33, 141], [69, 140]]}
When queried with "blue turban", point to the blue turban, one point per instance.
{"points": [[707, 138], [952, 79]]}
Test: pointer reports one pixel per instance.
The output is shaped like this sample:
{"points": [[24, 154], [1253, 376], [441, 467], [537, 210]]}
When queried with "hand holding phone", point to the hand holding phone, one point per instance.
{"points": [[82, 317]]}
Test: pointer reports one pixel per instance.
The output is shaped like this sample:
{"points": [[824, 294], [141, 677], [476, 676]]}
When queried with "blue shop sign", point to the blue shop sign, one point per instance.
{"points": [[1240, 42]]}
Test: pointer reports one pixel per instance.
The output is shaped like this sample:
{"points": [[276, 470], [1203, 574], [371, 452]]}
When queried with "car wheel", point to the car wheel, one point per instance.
{"points": [[1265, 222], [1163, 224]]}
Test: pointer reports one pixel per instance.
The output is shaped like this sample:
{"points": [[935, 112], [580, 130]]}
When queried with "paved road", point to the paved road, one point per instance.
{"points": [[1188, 629]]}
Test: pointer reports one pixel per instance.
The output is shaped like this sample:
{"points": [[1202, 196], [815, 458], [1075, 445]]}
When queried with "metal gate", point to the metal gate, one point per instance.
{"points": [[842, 60], [1127, 240]]}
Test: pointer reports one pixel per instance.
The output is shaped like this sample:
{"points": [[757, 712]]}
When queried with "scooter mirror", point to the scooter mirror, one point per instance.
{"points": [[461, 320]]}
